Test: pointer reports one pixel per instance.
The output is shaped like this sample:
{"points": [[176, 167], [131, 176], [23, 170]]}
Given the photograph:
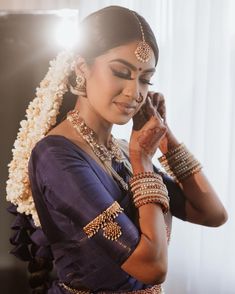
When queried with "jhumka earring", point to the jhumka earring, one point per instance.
{"points": [[80, 87], [143, 50]]}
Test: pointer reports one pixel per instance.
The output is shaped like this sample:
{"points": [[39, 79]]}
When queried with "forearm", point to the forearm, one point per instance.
{"points": [[202, 203], [153, 228], [203, 206], [148, 262], [151, 217], [150, 197]]}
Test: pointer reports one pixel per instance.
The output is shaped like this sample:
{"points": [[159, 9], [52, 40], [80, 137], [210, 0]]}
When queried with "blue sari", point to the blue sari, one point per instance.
{"points": [[70, 189]]}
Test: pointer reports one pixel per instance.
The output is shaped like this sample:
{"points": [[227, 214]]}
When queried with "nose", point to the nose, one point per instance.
{"points": [[132, 89]]}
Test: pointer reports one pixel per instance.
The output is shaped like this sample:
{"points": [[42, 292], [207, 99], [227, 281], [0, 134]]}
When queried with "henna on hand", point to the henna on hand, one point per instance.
{"points": [[144, 142], [149, 139], [169, 141]]}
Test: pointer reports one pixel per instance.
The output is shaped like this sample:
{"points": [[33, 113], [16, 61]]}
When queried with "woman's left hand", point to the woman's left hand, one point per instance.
{"points": [[169, 141], [202, 205]]}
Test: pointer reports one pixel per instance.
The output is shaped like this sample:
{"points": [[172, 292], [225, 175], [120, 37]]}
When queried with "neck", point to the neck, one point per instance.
{"points": [[93, 120]]}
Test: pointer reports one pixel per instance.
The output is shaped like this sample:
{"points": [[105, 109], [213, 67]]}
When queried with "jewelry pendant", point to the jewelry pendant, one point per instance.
{"points": [[143, 52], [112, 231]]}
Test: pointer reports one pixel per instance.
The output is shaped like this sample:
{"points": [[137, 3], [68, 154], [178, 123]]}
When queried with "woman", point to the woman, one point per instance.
{"points": [[100, 208]]}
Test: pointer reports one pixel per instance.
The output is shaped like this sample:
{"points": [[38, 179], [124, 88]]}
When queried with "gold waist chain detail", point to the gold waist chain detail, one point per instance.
{"points": [[156, 289]]}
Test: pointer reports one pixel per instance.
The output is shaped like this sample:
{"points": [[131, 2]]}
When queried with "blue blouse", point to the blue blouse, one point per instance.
{"points": [[70, 189]]}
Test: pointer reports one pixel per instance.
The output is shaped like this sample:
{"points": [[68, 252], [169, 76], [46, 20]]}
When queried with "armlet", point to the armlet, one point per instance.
{"points": [[105, 221]]}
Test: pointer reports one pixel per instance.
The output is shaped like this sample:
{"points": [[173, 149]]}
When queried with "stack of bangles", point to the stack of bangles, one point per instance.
{"points": [[148, 187], [179, 163]]}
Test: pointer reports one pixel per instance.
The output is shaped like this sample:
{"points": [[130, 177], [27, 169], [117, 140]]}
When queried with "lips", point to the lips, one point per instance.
{"points": [[125, 107]]}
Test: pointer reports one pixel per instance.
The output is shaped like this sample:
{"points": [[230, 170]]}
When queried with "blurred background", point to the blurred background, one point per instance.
{"points": [[196, 73]]}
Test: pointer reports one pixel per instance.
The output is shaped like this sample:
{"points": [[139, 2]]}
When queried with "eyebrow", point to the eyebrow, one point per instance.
{"points": [[131, 66]]}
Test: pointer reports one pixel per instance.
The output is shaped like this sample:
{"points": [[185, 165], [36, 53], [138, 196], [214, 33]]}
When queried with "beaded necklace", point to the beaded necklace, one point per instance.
{"points": [[104, 154]]}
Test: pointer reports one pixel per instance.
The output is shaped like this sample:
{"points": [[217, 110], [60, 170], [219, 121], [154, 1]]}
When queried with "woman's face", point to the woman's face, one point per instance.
{"points": [[115, 81]]}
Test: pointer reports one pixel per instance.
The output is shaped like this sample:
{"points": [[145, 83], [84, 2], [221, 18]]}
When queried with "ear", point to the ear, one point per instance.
{"points": [[81, 67]]}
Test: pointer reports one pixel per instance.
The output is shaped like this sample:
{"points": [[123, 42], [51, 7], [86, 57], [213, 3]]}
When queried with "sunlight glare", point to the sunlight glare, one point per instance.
{"points": [[67, 31]]}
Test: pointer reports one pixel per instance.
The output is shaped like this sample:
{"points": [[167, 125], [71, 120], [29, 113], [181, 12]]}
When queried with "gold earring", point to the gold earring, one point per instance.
{"points": [[80, 87]]}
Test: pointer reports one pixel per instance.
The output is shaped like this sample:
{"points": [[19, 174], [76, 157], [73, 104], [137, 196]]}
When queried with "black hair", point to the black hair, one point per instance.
{"points": [[38, 255], [111, 27]]}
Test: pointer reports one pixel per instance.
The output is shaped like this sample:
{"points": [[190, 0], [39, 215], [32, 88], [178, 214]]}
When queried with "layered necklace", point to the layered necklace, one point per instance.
{"points": [[104, 154]]}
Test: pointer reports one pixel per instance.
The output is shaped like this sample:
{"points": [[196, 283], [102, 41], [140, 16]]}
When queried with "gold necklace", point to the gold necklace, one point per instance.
{"points": [[104, 154]]}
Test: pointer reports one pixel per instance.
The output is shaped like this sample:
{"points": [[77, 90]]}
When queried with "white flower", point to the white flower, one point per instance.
{"points": [[40, 117]]}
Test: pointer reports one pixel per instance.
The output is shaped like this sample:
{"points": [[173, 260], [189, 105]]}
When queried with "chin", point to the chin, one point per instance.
{"points": [[121, 121]]}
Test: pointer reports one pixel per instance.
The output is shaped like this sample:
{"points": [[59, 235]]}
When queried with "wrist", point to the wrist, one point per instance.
{"points": [[148, 187], [169, 142], [140, 163], [180, 163]]}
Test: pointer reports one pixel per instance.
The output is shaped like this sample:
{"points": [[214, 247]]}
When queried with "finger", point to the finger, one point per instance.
{"points": [[154, 122], [159, 114], [150, 110], [150, 95], [159, 103], [162, 110], [139, 119], [158, 98], [153, 134], [138, 116], [145, 113]]}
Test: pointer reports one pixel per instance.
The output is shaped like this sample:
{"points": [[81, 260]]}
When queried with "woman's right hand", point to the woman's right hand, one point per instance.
{"points": [[148, 131], [146, 263]]}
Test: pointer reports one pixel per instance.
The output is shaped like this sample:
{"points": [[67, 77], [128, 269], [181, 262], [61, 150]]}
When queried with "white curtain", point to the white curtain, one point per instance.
{"points": [[196, 73], [37, 4]]}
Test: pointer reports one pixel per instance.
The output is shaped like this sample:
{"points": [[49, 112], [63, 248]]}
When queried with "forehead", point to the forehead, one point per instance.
{"points": [[127, 52]]}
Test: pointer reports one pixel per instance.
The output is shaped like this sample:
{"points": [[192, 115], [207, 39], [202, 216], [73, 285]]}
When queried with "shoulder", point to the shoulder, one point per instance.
{"points": [[55, 143], [56, 150]]}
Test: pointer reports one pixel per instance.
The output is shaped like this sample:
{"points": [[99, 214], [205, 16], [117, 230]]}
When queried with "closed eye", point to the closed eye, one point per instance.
{"points": [[126, 76], [145, 81]]}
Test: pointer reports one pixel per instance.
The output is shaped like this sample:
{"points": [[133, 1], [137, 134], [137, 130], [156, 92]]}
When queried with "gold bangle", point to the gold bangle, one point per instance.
{"points": [[141, 187], [143, 175], [189, 173], [164, 204], [180, 163], [152, 196], [151, 192]]}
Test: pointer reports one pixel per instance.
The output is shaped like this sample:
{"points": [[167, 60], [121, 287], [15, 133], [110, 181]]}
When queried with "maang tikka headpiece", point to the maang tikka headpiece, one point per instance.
{"points": [[143, 50]]}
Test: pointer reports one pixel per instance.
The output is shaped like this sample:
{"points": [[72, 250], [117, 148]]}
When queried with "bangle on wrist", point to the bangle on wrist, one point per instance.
{"points": [[180, 163], [148, 187]]}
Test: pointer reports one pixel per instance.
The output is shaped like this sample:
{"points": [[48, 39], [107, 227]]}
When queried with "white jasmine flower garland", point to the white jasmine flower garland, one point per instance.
{"points": [[40, 117]]}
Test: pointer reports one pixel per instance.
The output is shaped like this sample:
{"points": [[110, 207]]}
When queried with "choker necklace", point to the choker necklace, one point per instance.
{"points": [[104, 154]]}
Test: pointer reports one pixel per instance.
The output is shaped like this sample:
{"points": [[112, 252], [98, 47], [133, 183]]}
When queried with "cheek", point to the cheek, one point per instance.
{"points": [[144, 91], [104, 84]]}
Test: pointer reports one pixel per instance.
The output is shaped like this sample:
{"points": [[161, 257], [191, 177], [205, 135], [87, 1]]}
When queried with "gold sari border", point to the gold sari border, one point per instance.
{"points": [[156, 289]]}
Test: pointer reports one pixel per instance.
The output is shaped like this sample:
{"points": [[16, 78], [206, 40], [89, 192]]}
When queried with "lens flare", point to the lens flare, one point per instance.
{"points": [[67, 31]]}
